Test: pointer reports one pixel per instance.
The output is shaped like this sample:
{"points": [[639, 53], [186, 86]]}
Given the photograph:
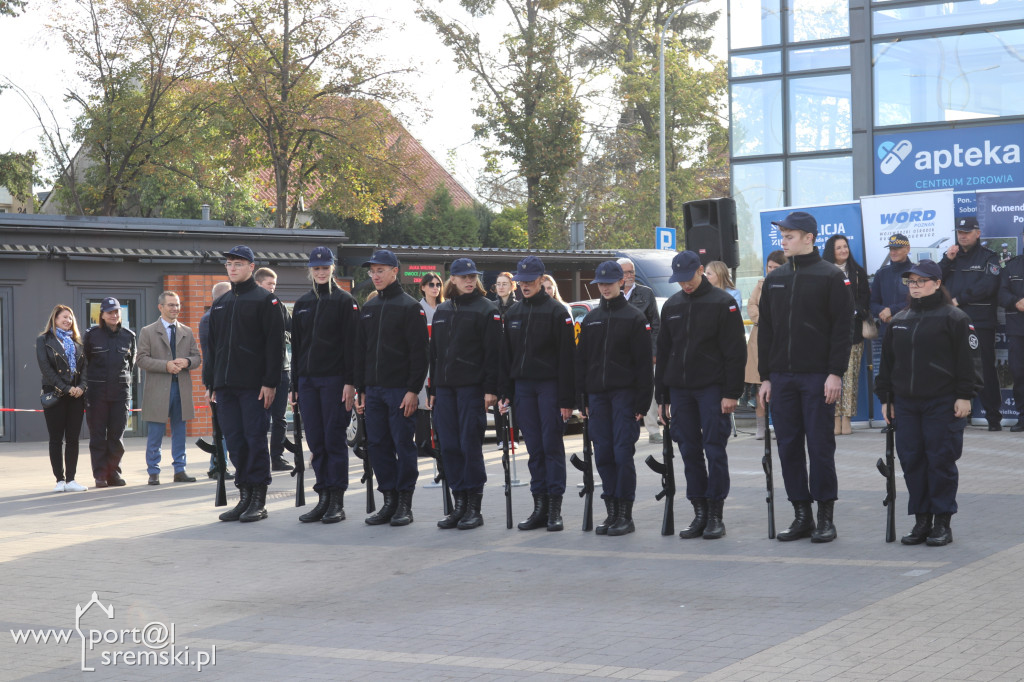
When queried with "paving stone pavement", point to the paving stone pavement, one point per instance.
{"points": [[283, 600]]}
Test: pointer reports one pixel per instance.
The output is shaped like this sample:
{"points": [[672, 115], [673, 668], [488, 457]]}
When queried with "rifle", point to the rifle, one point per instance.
{"points": [[220, 458], [435, 451], [668, 481], [503, 425], [295, 447], [888, 469], [586, 465], [359, 450], [766, 464]]}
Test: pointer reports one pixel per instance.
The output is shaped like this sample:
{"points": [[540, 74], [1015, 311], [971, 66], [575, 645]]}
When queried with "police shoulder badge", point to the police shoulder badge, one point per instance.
{"points": [[993, 269], [972, 339]]}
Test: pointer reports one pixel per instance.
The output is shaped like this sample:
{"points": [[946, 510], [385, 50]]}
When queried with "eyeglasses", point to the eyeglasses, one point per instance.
{"points": [[918, 282], [431, 284]]}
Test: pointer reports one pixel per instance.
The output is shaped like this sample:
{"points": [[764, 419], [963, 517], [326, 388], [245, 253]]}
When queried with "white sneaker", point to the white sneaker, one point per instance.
{"points": [[74, 487], [60, 487]]}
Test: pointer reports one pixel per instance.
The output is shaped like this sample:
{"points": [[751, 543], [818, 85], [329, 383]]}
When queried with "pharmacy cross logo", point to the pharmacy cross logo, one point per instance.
{"points": [[150, 645]]}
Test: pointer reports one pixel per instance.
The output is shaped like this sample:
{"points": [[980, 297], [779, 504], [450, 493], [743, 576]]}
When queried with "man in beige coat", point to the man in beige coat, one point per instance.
{"points": [[167, 352]]}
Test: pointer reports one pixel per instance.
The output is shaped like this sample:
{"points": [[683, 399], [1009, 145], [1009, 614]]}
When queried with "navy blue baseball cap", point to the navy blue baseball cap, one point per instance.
{"points": [[798, 220], [926, 268], [108, 304], [382, 257], [897, 241], [242, 252], [321, 255], [529, 269], [966, 224], [608, 272], [464, 266], [684, 266]]}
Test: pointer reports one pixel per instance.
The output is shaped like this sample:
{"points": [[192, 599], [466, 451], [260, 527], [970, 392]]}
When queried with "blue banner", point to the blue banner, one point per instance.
{"points": [[962, 159], [832, 219]]}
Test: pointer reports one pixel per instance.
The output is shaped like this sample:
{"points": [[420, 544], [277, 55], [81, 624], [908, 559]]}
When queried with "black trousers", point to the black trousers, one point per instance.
{"points": [[989, 397], [64, 424], [107, 421]]}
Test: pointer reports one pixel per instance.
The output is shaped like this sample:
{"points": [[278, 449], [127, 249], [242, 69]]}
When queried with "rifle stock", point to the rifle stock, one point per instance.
{"points": [[299, 472], [586, 465], [441, 477], [766, 464], [888, 469], [360, 451], [220, 458], [668, 481], [504, 427]]}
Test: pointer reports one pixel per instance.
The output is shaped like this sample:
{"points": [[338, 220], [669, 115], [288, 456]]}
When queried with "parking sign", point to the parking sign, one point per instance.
{"points": [[665, 238]]}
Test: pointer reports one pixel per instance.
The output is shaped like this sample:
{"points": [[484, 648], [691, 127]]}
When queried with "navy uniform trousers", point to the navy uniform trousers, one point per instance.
{"points": [[613, 428], [799, 412], [390, 439], [701, 431], [461, 420], [107, 420], [990, 396], [929, 441], [244, 422], [324, 424], [536, 407]]}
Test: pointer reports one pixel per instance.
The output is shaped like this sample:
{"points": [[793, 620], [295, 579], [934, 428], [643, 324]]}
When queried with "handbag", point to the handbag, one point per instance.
{"points": [[869, 330], [50, 398]]}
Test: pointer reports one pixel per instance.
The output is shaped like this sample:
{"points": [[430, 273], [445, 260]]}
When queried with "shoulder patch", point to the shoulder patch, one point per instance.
{"points": [[733, 309], [423, 312], [972, 339], [497, 317], [846, 281], [568, 320], [355, 306], [647, 327], [993, 269], [273, 301]]}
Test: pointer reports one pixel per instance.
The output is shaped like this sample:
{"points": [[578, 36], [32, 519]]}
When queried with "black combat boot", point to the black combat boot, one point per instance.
{"points": [[612, 505], [403, 512], [244, 498], [700, 519], [715, 528], [335, 506], [458, 511], [386, 511], [920, 531], [555, 513], [539, 517], [802, 525], [941, 533], [257, 509], [317, 512], [826, 530], [472, 518], [623, 520]]}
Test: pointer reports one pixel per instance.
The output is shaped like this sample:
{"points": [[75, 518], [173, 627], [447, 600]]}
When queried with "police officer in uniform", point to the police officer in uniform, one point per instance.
{"points": [[324, 323], [698, 382], [110, 352], [242, 373], [803, 347], [537, 375], [888, 290], [1011, 299], [464, 344], [390, 368], [970, 272], [929, 374], [614, 378]]}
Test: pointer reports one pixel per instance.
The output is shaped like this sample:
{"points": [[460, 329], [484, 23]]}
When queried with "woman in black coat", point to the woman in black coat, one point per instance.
{"points": [[62, 361], [837, 252]]}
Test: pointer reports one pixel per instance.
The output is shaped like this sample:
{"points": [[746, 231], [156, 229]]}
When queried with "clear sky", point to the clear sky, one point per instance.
{"points": [[37, 61]]}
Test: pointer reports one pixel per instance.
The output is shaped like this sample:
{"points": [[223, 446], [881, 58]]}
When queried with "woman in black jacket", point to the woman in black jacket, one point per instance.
{"points": [[929, 374], [61, 362], [463, 386], [323, 337], [837, 252]]}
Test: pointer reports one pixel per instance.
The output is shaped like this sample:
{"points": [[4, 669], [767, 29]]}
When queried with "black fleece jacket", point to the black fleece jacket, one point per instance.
{"points": [[614, 351], [392, 342], [465, 340]]}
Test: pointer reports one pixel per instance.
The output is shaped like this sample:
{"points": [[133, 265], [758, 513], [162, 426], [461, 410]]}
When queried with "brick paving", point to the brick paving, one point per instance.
{"points": [[283, 600]]}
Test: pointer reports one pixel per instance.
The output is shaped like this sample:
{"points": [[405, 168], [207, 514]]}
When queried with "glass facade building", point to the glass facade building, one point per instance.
{"points": [[811, 82]]}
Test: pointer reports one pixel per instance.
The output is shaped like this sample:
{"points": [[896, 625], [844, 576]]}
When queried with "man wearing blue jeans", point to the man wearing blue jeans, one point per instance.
{"points": [[167, 352]]}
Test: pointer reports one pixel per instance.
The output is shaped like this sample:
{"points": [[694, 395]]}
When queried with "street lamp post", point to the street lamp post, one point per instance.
{"points": [[661, 118]]}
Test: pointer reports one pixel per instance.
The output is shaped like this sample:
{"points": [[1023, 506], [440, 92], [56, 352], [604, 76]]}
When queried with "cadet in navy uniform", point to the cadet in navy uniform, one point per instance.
{"points": [[1011, 299], [324, 323], [537, 375], [803, 347], [110, 352], [614, 378], [464, 346], [929, 373], [888, 291], [390, 368], [698, 381], [971, 275], [242, 370]]}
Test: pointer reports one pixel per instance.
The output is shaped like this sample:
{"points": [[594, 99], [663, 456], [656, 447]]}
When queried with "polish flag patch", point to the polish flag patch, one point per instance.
{"points": [[846, 282], [648, 327], [497, 317], [423, 313], [971, 327], [273, 301], [355, 306], [568, 320], [732, 309]]}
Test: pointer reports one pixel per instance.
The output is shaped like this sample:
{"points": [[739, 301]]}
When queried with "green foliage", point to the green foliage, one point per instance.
{"points": [[17, 173], [441, 224], [508, 229]]}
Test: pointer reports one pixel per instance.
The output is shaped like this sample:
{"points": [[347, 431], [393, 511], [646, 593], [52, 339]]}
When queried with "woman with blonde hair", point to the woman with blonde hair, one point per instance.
{"points": [[61, 359], [551, 287], [718, 274]]}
